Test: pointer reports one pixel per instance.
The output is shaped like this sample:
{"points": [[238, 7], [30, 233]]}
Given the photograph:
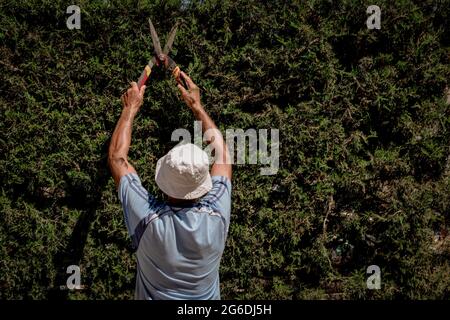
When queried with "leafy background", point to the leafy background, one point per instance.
{"points": [[364, 172]]}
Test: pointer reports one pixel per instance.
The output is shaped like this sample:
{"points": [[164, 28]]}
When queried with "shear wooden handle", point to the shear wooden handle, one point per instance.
{"points": [[144, 76], [176, 74]]}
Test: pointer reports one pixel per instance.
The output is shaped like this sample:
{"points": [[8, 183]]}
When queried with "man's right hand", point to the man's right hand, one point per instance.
{"points": [[190, 94]]}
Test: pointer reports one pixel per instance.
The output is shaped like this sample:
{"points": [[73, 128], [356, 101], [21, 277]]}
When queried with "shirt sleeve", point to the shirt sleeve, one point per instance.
{"points": [[219, 197], [138, 205]]}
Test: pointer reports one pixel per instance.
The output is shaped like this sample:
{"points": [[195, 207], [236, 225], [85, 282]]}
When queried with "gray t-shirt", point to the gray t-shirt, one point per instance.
{"points": [[178, 248]]}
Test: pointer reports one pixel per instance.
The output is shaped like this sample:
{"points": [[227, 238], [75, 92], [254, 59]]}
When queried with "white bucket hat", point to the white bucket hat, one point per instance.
{"points": [[183, 173]]}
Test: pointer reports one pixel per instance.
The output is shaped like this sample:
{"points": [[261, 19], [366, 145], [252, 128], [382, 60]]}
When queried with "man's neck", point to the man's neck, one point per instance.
{"points": [[180, 202]]}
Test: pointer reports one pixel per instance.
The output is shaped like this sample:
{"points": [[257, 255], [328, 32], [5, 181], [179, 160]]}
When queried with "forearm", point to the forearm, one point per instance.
{"points": [[191, 95], [201, 115], [212, 135], [121, 138]]}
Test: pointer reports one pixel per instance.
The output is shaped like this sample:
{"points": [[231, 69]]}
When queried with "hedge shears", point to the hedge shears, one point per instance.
{"points": [[160, 56]]}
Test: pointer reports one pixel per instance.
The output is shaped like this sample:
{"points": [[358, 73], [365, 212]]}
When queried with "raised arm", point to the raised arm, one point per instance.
{"points": [[121, 138], [191, 95]]}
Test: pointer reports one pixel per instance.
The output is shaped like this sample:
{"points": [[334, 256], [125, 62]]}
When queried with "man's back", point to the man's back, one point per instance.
{"points": [[178, 248]]}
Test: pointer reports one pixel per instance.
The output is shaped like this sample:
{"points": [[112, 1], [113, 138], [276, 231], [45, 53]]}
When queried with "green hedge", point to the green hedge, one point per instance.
{"points": [[364, 172]]}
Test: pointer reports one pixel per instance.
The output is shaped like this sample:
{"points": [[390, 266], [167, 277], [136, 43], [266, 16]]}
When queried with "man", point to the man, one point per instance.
{"points": [[180, 241]]}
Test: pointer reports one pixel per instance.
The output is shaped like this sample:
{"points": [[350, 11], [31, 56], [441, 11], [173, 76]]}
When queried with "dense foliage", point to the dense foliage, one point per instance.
{"points": [[364, 172]]}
